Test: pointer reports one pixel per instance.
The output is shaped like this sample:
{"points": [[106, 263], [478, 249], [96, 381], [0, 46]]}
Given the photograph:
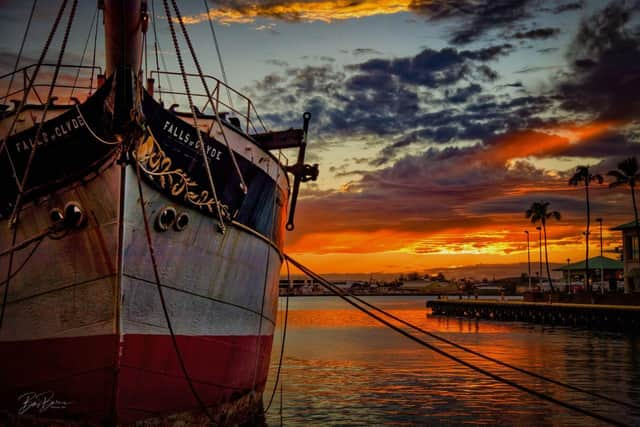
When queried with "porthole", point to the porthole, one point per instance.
{"points": [[182, 221], [166, 218], [74, 215]]}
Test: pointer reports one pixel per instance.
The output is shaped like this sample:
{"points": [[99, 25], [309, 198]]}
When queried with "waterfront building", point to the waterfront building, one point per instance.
{"points": [[601, 269], [630, 256]]}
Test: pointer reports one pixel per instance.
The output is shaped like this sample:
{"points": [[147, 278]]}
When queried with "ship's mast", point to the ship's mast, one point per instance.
{"points": [[124, 24]]}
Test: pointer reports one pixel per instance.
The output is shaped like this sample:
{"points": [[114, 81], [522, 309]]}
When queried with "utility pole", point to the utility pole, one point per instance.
{"points": [[569, 274], [540, 256], [601, 257], [528, 258]]}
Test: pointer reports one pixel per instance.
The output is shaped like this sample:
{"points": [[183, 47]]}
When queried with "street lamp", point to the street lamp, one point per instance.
{"points": [[569, 275], [528, 258], [587, 284], [540, 256], [601, 260]]}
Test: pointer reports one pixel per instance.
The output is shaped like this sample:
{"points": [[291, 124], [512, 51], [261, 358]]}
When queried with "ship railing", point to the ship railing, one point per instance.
{"points": [[243, 108], [66, 82]]}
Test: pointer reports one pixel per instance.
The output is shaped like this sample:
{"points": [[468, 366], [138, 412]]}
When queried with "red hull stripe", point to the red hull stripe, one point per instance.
{"points": [[82, 370]]}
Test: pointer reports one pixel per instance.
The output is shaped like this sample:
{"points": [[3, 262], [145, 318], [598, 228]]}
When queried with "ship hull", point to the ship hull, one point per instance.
{"points": [[85, 338]]}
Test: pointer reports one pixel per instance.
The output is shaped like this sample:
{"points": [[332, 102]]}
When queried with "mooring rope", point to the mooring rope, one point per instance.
{"points": [[543, 396], [163, 302], [284, 337], [496, 361]]}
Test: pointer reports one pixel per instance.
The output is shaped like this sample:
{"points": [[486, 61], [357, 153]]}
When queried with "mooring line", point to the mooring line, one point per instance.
{"points": [[494, 360], [284, 337], [543, 396]]}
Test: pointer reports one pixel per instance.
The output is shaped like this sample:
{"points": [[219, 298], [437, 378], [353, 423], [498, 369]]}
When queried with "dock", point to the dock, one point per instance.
{"points": [[590, 316]]}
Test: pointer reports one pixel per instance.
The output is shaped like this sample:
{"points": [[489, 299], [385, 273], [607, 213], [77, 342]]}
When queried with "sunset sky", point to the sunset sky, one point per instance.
{"points": [[436, 124]]}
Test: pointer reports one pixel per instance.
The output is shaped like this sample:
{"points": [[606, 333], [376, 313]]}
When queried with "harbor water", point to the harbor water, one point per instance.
{"points": [[341, 367]]}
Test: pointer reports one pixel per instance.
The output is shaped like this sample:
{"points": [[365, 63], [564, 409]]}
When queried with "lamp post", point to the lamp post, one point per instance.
{"points": [[528, 258], [601, 257], [569, 275], [540, 256], [587, 284]]}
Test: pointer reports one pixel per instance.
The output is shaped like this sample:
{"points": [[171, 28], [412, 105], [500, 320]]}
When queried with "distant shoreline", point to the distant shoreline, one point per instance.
{"points": [[421, 294]]}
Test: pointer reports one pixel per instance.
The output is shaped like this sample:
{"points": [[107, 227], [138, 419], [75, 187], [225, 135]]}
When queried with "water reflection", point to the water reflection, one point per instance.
{"points": [[341, 367]]}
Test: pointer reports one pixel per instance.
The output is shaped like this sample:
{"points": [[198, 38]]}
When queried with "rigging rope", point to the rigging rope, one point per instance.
{"points": [[16, 208], [498, 378], [19, 57], [94, 20], [54, 79], [284, 337], [93, 60], [215, 42], [164, 64], [195, 115], [30, 87], [156, 274], [243, 185], [91, 131]]}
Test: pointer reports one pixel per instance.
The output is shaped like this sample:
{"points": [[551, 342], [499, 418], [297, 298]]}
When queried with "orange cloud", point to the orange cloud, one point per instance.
{"points": [[540, 144], [321, 10]]}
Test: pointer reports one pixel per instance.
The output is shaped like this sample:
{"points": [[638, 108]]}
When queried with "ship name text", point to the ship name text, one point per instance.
{"points": [[49, 134], [186, 138]]}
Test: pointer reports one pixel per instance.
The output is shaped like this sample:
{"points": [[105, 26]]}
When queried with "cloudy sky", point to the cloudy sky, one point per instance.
{"points": [[435, 123]]}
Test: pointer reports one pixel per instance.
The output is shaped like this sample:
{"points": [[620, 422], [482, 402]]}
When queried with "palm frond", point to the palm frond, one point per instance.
{"points": [[629, 166], [597, 177], [555, 215], [618, 175]]}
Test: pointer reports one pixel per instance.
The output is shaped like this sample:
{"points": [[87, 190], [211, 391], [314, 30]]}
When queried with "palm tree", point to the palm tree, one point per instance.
{"points": [[628, 173], [583, 176], [538, 213]]}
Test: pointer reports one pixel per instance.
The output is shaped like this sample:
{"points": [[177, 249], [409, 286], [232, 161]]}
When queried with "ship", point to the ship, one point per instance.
{"points": [[140, 244]]}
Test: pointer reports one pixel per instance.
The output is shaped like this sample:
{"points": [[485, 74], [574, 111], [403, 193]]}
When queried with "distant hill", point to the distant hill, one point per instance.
{"points": [[489, 271], [478, 272]]}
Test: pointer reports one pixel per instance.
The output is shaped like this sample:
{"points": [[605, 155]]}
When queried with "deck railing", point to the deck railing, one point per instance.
{"points": [[244, 110], [23, 77]]}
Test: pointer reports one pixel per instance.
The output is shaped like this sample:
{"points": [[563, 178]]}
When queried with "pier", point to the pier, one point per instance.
{"points": [[590, 316]]}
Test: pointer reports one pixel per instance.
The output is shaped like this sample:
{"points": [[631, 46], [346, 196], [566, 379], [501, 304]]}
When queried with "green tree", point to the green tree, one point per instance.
{"points": [[628, 173], [539, 213], [584, 177]]}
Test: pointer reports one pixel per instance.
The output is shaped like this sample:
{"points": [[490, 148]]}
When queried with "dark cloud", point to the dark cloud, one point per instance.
{"points": [[437, 68], [536, 69], [609, 145], [537, 34], [478, 16], [380, 96], [462, 95], [365, 51], [604, 78], [567, 7], [277, 62]]}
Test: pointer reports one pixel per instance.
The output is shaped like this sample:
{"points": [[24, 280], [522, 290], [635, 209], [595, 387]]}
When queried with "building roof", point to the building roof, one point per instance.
{"points": [[595, 263], [626, 226]]}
